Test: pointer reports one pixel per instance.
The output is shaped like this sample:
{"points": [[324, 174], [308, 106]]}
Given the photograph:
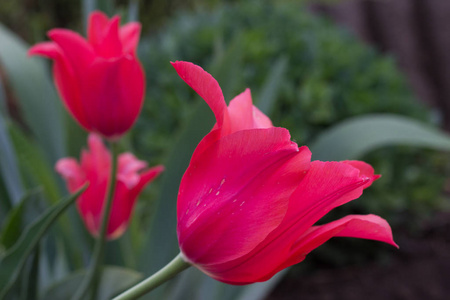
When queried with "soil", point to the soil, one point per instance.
{"points": [[420, 269]]}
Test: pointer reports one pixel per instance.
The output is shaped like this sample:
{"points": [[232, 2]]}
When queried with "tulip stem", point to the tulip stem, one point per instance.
{"points": [[176, 266], [92, 279]]}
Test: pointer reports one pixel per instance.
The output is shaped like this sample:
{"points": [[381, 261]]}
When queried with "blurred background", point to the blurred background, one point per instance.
{"points": [[362, 79]]}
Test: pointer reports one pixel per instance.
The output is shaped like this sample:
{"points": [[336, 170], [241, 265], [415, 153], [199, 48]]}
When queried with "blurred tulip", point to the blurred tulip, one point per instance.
{"points": [[132, 177], [248, 202], [100, 79]]}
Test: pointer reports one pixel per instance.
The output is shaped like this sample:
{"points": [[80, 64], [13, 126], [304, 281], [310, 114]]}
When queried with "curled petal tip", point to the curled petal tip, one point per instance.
{"points": [[55, 33], [48, 49]]}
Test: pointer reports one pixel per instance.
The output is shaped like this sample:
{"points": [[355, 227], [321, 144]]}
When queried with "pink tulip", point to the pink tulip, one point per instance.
{"points": [[250, 197], [95, 168], [100, 79]]}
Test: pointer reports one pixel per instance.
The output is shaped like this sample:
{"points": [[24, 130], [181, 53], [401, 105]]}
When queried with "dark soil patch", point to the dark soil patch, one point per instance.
{"points": [[420, 270]]}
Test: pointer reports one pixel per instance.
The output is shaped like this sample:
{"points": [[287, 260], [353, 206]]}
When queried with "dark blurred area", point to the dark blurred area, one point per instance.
{"points": [[415, 32]]}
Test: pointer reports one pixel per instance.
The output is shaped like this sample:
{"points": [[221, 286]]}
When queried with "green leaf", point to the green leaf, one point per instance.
{"points": [[33, 164], [12, 263], [114, 280], [29, 285], [35, 93], [8, 166], [13, 224], [268, 95], [355, 137]]}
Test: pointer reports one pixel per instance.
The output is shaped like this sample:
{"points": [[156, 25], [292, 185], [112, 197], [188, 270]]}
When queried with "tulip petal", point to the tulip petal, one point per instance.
{"points": [[217, 194], [77, 50], [97, 25], [260, 119], [125, 200], [111, 45], [240, 111], [90, 203], [147, 177], [114, 92], [96, 161], [205, 86], [370, 227], [72, 173], [129, 35], [243, 115], [364, 170], [128, 169], [325, 186], [66, 81], [47, 49]]}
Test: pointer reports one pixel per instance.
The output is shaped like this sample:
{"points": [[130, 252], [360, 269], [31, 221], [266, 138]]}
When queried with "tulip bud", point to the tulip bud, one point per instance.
{"points": [[100, 80]]}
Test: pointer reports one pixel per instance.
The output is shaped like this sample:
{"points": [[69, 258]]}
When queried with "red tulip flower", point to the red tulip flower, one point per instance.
{"points": [[250, 197], [95, 167], [100, 79]]}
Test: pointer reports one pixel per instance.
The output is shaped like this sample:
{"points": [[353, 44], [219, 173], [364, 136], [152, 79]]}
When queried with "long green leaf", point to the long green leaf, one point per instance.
{"points": [[268, 95], [114, 280], [35, 93], [29, 285], [12, 263], [13, 222], [33, 164], [355, 137], [8, 166]]}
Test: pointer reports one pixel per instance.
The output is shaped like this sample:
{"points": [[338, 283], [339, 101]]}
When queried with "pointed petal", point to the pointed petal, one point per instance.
{"points": [[240, 111], [243, 115], [66, 82], [205, 86], [110, 45], [97, 25], [364, 170], [218, 194], [129, 35], [68, 87], [148, 176], [369, 227], [260, 119], [47, 49]]}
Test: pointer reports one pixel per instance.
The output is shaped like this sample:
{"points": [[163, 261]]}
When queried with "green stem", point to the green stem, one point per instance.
{"points": [[176, 266], [92, 278]]}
